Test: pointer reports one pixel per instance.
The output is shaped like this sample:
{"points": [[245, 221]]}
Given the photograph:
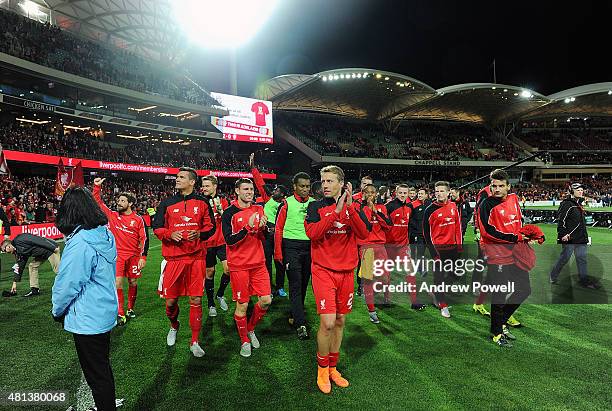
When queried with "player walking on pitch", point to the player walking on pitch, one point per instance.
{"points": [[132, 242], [182, 222], [243, 229], [333, 226]]}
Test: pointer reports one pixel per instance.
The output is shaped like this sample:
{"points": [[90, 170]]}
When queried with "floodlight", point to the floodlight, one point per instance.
{"points": [[222, 24]]}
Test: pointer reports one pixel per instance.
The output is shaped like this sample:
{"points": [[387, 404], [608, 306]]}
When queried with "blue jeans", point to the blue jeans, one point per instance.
{"points": [[580, 251]]}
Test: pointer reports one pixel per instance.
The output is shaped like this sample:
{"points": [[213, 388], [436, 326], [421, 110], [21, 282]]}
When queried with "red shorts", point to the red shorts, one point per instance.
{"points": [[128, 267], [245, 283], [183, 278], [333, 290]]}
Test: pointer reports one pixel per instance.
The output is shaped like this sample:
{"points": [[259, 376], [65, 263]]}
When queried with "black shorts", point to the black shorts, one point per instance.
{"points": [[214, 253]]}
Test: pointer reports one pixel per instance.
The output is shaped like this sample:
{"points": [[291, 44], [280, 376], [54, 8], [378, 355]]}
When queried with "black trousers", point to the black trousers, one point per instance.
{"points": [[502, 305], [93, 352], [269, 253], [296, 257]]}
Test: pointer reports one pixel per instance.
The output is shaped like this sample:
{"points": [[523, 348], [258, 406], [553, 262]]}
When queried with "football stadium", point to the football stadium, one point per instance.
{"points": [[345, 204]]}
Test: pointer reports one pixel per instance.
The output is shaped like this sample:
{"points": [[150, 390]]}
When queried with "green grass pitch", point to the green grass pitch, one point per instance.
{"points": [[412, 360]]}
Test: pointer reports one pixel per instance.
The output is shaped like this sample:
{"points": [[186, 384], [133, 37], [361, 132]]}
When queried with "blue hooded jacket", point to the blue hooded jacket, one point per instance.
{"points": [[84, 289]]}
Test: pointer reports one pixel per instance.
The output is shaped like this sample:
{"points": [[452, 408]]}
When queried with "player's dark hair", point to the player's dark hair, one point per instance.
{"points": [[367, 177], [442, 183], [300, 176], [500, 175], [131, 198], [193, 175], [368, 186], [78, 208], [241, 181]]}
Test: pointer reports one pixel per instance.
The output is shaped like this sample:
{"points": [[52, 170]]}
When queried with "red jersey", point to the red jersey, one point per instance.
{"points": [[499, 222], [442, 227], [130, 231], [261, 110], [184, 213], [244, 243], [380, 223], [259, 182], [333, 237], [399, 213], [218, 205]]}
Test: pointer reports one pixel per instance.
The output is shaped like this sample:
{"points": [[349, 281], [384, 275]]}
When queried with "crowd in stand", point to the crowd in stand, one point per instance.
{"points": [[569, 139], [50, 46], [351, 138], [55, 140]]}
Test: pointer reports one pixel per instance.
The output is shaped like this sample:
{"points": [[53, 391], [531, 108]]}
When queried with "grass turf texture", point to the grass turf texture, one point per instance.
{"points": [[412, 359]]}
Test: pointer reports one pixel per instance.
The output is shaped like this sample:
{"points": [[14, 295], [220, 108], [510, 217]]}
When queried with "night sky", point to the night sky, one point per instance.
{"points": [[541, 45]]}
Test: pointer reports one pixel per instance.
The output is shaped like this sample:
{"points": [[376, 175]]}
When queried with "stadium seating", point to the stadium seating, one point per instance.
{"points": [[335, 136], [48, 139], [50, 46]]}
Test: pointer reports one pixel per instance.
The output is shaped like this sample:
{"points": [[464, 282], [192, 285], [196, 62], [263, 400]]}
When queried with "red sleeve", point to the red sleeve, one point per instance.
{"points": [[315, 225], [358, 223], [458, 230], [96, 195], [384, 220], [259, 183], [281, 217]]}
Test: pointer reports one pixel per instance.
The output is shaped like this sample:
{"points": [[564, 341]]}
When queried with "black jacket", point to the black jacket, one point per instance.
{"points": [[465, 211], [5, 222], [30, 245], [571, 221], [415, 225]]}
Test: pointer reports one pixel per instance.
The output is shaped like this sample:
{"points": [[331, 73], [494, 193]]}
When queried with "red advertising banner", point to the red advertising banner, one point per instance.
{"points": [[110, 166], [243, 137], [46, 230]]}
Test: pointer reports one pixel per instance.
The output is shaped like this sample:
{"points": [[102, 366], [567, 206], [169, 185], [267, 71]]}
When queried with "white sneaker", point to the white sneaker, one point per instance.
{"points": [[212, 312], [374, 317], [245, 349], [196, 350], [171, 338], [254, 340], [445, 313], [222, 303]]}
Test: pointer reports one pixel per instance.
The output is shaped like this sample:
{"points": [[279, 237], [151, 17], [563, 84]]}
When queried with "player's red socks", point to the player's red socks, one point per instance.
{"points": [[120, 298], [195, 321], [172, 313], [411, 280], [241, 325], [323, 360], [368, 293], [132, 291], [371, 307], [257, 315], [333, 359]]}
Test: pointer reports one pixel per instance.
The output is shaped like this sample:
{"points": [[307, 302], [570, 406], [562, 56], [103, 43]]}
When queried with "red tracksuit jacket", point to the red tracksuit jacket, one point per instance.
{"points": [[333, 237], [244, 244], [499, 222], [399, 213], [183, 213], [130, 231], [442, 227], [380, 223], [217, 239]]}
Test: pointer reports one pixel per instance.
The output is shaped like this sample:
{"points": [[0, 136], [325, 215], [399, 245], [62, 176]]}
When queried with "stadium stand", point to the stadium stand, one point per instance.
{"points": [[52, 47]]}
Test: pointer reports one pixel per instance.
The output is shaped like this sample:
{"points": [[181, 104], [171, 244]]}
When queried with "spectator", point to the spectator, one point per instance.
{"points": [[84, 296]]}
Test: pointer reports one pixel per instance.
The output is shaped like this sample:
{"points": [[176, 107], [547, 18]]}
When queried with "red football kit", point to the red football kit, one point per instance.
{"points": [[131, 239], [334, 253], [245, 253], [184, 271], [442, 227], [499, 222]]}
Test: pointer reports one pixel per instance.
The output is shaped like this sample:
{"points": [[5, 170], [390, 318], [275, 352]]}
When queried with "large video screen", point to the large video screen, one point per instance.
{"points": [[248, 120]]}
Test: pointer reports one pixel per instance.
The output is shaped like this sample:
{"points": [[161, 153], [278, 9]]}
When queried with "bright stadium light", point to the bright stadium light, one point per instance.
{"points": [[324, 78], [222, 24], [526, 94], [567, 100]]}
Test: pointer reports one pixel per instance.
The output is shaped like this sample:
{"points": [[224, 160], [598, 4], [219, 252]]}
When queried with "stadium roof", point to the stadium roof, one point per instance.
{"points": [[145, 27], [381, 95], [591, 100]]}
